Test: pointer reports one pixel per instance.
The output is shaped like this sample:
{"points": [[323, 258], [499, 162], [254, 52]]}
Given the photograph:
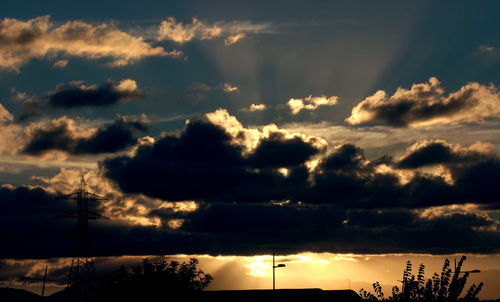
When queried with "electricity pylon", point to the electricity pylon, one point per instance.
{"points": [[82, 273]]}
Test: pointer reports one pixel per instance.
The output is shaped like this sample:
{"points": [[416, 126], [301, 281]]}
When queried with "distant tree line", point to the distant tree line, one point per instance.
{"points": [[448, 286], [153, 281]]}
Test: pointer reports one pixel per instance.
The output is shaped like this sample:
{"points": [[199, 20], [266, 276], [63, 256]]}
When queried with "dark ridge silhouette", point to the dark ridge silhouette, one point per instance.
{"points": [[313, 294], [8, 294], [66, 295]]}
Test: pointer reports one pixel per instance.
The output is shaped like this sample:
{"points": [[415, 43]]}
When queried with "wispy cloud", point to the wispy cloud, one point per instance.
{"points": [[230, 88], [60, 64], [485, 48], [255, 107], [8, 132], [233, 39], [171, 29], [232, 32], [311, 103], [22, 41]]}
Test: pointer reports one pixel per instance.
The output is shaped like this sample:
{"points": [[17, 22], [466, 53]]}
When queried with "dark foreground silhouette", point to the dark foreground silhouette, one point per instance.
{"points": [[167, 281], [446, 287], [314, 294], [17, 295]]}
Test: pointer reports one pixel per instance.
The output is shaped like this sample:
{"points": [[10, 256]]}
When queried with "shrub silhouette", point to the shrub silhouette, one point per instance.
{"points": [[439, 288], [153, 281]]}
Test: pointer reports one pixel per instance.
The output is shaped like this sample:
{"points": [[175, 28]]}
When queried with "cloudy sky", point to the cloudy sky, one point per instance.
{"points": [[332, 133]]}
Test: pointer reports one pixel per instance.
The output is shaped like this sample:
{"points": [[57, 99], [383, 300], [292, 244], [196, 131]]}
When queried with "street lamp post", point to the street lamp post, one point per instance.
{"points": [[274, 272]]}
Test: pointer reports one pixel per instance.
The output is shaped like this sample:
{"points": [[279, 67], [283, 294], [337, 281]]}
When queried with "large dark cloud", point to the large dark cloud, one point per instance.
{"points": [[473, 171], [62, 135], [248, 206], [479, 182], [27, 221], [277, 151], [200, 163], [257, 229], [249, 229], [347, 179], [345, 207], [204, 163]]}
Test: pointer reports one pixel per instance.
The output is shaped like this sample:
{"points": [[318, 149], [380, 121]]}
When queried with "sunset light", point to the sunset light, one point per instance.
{"points": [[241, 150]]}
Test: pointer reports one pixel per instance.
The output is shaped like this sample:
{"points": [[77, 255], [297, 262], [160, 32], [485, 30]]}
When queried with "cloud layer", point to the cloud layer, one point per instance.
{"points": [[218, 187], [216, 159], [246, 229], [426, 104]]}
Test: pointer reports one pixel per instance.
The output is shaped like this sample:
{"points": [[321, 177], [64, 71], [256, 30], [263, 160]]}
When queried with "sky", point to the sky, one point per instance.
{"points": [[329, 132]]}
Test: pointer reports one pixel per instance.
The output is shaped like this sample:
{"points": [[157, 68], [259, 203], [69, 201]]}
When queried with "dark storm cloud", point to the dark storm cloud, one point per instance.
{"points": [[440, 152], [247, 206], [473, 171], [347, 179], [204, 163], [27, 220], [433, 153], [385, 217], [201, 162], [277, 151], [426, 103], [77, 95], [62, 135], [250, 229], [479, 182]]}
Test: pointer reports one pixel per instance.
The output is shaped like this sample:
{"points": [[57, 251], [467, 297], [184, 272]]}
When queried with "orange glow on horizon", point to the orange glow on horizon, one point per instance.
{"points": [[305, 270]]}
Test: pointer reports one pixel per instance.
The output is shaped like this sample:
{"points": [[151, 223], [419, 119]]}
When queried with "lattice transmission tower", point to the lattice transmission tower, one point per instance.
{"points": [[82, 278]]}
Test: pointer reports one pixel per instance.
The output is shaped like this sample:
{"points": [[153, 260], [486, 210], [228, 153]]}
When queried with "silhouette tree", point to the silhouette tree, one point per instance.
{"points": [[153, 281], [439, 288]]}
